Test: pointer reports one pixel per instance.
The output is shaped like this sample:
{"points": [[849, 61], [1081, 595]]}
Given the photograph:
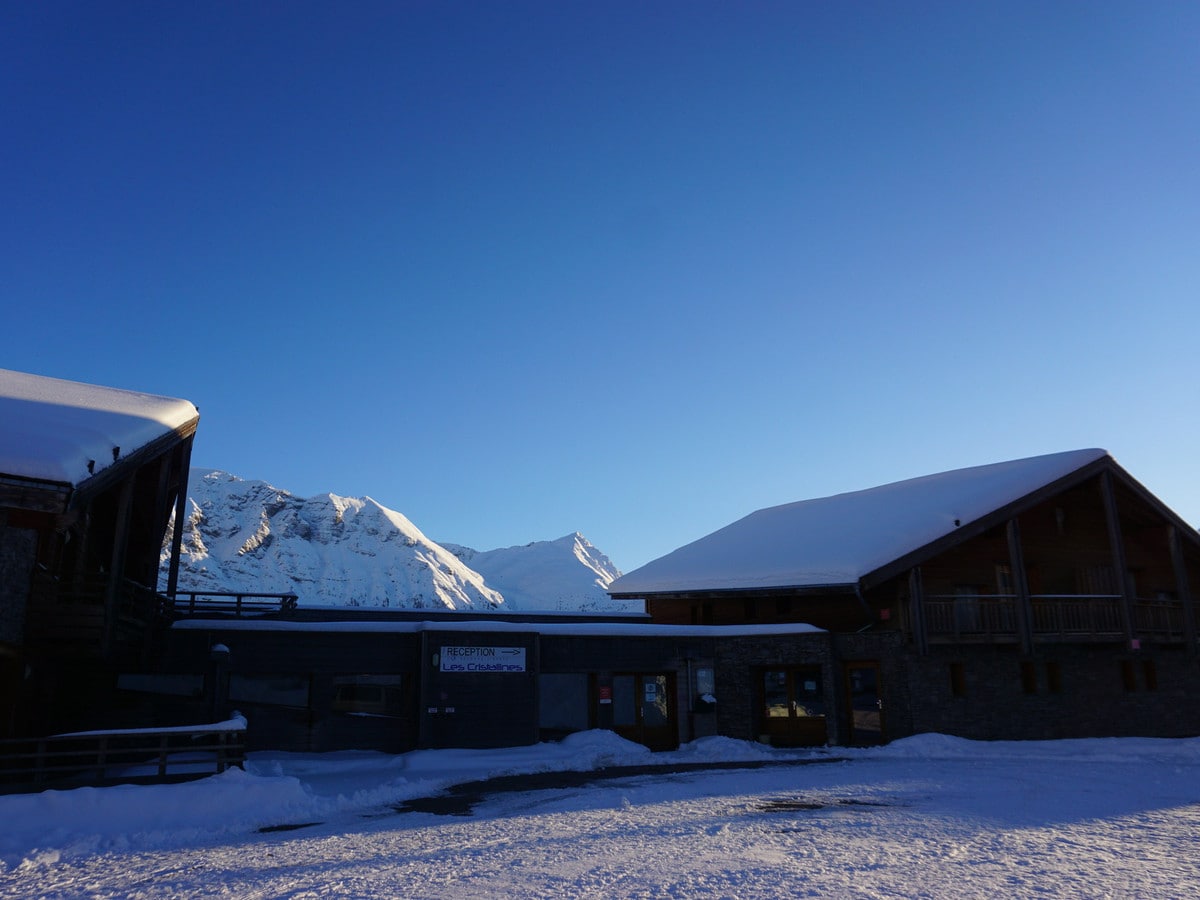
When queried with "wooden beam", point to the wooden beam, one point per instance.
{"points": [[916, 602], [37, 496], [1117, 543], [1020, 582], [116, 572], [185, 461], [1183, 589]]}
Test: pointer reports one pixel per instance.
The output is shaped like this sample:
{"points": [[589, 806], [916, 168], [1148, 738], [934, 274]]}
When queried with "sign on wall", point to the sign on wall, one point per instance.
{"points": [[482, 659]]}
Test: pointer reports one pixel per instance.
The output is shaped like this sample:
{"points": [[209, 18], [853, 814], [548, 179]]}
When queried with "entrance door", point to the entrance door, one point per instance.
{"points": [[793, 707], [864, 703], [644, 709]]}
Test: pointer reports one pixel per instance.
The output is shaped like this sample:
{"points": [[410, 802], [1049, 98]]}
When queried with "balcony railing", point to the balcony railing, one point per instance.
{"points": [[1067, 617], [228, 603], [1070, 616], [1162, 619], [976, 617]]}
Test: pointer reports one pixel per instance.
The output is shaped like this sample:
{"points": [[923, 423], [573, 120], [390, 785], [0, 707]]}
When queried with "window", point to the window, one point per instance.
{"points": [[706, 690], [270, 690], [174, 685], [966, 608], [563, 702], [1150, 674], [1028, 677], [793, 692], [1004, 580], [1053, 678], [958, 680], [368, 695], [1128, 676]]}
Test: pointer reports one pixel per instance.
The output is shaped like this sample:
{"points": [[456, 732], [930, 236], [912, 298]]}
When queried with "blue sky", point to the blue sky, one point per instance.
{"points": [[632, 269]]}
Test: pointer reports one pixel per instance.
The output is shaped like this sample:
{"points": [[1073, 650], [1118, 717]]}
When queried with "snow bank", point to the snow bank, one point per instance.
{"points": [[285, 788]]}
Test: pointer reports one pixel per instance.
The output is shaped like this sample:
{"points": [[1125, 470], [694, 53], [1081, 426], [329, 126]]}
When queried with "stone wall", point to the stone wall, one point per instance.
{"points": [[1063, 691]]}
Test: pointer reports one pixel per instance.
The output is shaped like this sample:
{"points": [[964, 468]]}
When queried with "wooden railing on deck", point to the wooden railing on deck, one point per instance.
{"points": [[992, 617], [194, 603]]}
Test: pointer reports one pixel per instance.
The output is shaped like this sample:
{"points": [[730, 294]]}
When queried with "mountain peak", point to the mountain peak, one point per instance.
{"points": [[345, 551]]}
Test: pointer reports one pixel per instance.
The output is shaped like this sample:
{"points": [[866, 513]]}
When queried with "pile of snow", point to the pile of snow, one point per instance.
{"points": [[277, 788], [337, 551]]}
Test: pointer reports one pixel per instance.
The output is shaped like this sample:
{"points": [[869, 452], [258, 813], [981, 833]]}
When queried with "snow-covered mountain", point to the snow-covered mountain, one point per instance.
{"points": [[340, 551], [566, 574]]}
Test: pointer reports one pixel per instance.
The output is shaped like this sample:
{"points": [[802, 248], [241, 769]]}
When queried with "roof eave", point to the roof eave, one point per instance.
{"points": [[725, 593], [116, 472]]}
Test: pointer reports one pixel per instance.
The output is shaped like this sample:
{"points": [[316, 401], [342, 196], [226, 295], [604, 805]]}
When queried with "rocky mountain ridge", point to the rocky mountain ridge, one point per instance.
{"points": [[335, 551]]}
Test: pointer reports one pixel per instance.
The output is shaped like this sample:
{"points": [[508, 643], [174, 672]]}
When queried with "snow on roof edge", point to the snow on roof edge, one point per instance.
{"points": [[66, 431], [594, 629]]}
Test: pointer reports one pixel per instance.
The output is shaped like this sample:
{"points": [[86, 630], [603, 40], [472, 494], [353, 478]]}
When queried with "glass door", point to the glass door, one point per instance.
{"points": [[864, 703], [793, 707], [643, 710]]}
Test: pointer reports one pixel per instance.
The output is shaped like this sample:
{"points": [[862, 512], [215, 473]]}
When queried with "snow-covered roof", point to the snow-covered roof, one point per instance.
{"points": [[50, 429], [496, 625], [837, 540]]}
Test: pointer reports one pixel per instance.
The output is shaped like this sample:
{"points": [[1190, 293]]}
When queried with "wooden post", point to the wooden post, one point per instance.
{"points": [[1183, 589], [1117, 543], [1020, 582], [916, 601], [185, 460], [116, 572]]}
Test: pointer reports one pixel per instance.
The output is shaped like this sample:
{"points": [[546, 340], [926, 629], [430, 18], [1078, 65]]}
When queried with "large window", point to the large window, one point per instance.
{"points": [[563, 702], [269, 690], [368, 695]]}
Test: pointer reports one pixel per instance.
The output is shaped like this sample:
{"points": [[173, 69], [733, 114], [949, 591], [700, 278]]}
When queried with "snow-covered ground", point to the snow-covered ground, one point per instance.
{"points": [[929, 816]]}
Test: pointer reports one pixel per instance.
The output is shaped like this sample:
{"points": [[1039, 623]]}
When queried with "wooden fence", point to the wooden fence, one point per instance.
{"points": [[120, 757]]}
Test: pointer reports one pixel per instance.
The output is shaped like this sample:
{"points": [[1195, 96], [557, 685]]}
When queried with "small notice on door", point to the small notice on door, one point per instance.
{"points": [[482, 659]]}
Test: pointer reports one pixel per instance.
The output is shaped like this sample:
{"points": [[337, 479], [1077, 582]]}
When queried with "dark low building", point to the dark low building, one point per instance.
{"points": [[406, 680]]}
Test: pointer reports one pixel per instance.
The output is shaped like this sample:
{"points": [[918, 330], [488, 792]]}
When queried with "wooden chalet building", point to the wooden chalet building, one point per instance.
{"points": [[1046, 597], [89, 477]]}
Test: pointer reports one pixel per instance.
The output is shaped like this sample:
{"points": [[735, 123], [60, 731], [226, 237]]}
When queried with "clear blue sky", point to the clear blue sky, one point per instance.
{"points": [[632, 269]]}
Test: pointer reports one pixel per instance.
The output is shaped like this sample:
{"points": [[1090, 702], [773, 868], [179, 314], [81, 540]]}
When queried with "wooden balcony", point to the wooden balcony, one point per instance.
{"points": [[1055, 618], [985, 618]]}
